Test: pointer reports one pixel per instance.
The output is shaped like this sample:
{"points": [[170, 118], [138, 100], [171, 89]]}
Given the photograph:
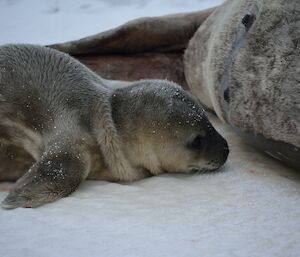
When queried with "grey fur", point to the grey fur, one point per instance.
{"points": [[59, 111]]}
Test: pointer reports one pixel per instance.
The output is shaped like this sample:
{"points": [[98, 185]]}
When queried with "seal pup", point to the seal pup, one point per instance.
{"points": [[58, 110]]}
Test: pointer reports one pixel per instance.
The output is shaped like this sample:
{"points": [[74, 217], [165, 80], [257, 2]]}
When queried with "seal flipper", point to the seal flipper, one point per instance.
{"points": [[54, 176], [151, 34]]}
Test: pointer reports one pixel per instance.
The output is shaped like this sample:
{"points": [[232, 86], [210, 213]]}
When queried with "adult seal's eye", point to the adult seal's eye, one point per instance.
{"points": [[248, 20], [195, 143]]}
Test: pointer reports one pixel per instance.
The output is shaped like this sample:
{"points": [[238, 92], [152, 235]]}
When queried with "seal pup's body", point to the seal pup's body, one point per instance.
{"points": [[58, 110]]}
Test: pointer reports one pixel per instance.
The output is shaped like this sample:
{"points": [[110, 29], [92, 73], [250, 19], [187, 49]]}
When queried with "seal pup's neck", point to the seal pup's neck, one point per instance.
{"points": [[133, 129], [107, 136]]}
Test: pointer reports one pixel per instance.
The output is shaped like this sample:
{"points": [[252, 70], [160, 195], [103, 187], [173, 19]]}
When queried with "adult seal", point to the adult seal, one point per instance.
{"points": [[59, 111]]}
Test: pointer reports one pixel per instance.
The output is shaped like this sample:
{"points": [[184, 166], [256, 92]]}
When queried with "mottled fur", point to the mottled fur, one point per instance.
{"points": [[263, 78]]}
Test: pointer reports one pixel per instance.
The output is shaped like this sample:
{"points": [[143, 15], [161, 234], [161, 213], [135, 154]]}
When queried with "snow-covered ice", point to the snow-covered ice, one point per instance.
{"points": [[250, 208], [52, 21]]}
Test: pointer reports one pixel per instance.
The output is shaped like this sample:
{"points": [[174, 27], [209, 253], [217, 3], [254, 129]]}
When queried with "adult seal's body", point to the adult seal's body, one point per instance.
{"points": [[60, 112]]}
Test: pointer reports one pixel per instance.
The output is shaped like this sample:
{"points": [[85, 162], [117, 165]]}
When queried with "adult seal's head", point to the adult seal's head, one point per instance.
{"points": [[243, 63]]}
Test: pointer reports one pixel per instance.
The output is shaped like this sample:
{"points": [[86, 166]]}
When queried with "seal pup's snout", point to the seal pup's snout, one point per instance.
{"points": [[223, 152], [218, 155], [212, 152]]}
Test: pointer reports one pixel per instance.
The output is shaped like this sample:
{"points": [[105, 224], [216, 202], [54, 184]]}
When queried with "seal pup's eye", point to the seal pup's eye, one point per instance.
{"points": [[195, 143]]}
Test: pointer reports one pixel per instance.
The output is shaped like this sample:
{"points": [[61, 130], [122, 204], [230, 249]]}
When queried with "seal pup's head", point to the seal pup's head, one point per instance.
{"points": [[164, 129]]}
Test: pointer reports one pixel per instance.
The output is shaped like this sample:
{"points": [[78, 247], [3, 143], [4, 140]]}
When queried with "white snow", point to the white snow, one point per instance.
{"points": [[250, 208], [52, 21]]}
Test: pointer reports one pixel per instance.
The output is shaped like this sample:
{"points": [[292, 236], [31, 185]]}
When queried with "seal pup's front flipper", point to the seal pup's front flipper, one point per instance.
{"points": [[57, 174]]}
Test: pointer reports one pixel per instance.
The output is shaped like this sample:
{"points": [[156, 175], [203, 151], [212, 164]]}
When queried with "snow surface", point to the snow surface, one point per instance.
{"points": [[250, 208], [52, 21]]}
